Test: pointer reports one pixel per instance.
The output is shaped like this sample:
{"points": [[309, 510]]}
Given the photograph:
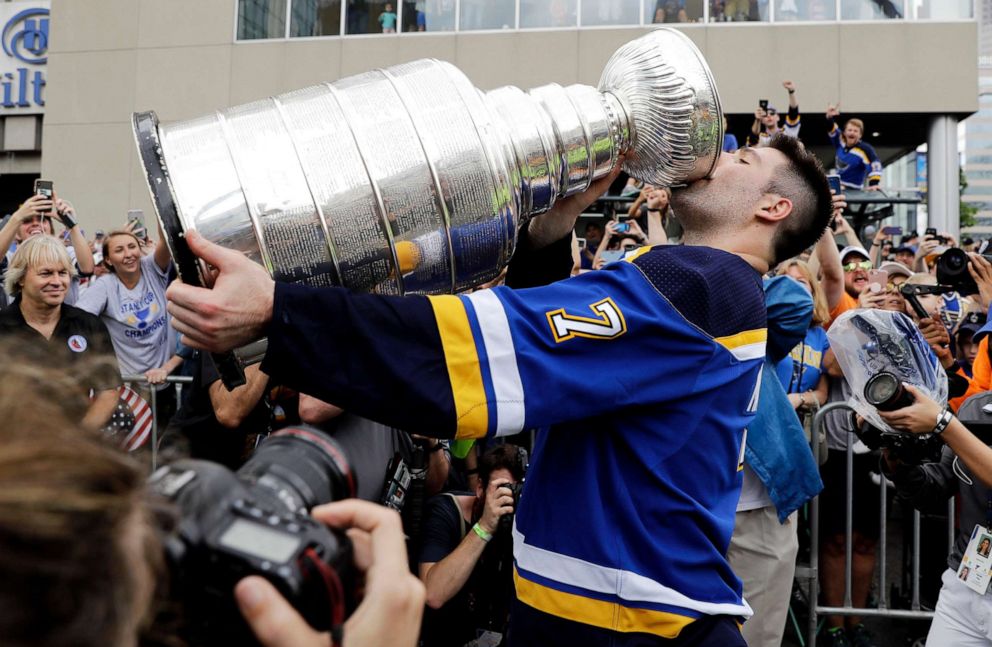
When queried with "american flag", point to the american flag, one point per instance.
{"points": [[131, 422]]}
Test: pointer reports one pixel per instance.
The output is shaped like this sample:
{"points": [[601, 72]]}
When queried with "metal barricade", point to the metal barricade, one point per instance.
{"points": [[178, 381], [915, 612]]}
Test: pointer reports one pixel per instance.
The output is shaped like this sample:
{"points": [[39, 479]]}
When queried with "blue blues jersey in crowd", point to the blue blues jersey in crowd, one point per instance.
{"points": [[857, 163], [641, 377], [800, 371]]}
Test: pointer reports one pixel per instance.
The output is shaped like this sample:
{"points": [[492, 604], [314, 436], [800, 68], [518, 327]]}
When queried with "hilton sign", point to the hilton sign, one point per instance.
{"points": [[24, 40]]}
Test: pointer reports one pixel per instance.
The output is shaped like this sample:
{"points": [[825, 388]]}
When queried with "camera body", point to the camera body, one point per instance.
{"points": [[885, 392], [506, 521], [952, 270], [257, 522]]}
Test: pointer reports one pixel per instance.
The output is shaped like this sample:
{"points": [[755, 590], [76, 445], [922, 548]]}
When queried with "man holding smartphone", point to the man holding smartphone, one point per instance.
{"points": [[767, 120]]}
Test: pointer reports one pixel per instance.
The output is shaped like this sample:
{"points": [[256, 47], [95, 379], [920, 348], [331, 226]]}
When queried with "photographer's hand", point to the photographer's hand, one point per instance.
{"points": [[389, 614], [981, 270], [499, 501], [935, 334], [918, 418]]}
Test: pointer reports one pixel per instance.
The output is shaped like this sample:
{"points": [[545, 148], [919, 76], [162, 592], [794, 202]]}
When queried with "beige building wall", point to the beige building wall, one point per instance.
{"points": [[109, 58]]}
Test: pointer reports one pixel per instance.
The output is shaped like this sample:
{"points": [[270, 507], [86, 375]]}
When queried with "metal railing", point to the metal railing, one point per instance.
{"points": [[178, 381], [882, 609]]}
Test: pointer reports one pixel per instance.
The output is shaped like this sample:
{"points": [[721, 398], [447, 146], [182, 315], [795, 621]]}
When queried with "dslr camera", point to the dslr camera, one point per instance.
{"points": [[952, 270], [885, 392], [256, 522]]}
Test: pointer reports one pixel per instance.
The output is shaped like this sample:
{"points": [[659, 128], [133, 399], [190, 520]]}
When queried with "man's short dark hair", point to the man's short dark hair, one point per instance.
{"points": [[802, 181], [509, 457]]}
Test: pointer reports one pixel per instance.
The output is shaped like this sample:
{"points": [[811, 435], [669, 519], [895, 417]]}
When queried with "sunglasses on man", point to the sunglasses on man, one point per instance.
{"points": [[863, 265]]}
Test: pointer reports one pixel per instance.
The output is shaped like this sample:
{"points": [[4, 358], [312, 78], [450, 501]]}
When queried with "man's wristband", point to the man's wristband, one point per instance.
{"points": [[654, 210], [792, 91], [943, 420], [483, 535]]}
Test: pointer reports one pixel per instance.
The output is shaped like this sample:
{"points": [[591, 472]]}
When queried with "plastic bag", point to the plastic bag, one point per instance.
{"points": [[869, 342]]}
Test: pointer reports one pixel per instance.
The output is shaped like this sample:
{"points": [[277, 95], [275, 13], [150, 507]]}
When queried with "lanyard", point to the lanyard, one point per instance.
{"points": [[798, 369]]}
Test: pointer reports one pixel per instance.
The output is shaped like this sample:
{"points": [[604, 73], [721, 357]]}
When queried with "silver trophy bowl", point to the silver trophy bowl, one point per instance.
{"points": [[409, 180]]}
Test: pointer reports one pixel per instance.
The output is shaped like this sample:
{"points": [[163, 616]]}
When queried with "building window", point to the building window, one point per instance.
{"points": [[610, 12], [871, 9], [487, 14], [807, 10], [315, 18], [261, 19], [538, 14], [433, 15]]}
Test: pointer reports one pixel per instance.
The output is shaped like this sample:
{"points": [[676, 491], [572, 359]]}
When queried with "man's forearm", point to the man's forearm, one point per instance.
{"points": [[446, 578], [830, 266], [231, 407]]}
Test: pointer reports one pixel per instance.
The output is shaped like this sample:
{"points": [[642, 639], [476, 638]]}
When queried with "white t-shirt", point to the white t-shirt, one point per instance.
{"points": [[753, 492], [139, 324]]}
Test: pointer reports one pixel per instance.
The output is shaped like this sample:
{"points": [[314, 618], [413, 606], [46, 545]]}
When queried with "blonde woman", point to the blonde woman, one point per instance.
{"points": [[802, 373]]}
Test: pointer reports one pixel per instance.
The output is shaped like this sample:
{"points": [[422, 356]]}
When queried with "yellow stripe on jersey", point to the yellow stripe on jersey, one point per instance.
{"points": [[464, 372], [598, 613], [746, 345], [863, 155], [636, 254]]}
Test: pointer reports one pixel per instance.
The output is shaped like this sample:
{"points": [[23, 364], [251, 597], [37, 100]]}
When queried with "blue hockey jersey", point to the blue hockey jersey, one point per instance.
{"points": [[641, 377], [857, 163]]}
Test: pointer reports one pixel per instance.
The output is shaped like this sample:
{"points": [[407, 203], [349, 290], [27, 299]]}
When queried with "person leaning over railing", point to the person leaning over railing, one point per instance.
{"points": [[856, 161], [131, 302]]}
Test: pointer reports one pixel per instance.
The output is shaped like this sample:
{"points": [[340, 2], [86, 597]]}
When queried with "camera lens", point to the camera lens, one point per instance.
{"points": [[950, 264], [880, 388], [296, 469], [885, 392]]}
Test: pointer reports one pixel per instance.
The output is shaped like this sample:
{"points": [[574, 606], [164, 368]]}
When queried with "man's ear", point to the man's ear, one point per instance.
{"points": [[773, 208]]}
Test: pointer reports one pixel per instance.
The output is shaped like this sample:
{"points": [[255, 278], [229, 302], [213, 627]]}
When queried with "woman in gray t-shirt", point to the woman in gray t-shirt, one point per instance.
{"points": [[131, 301]]}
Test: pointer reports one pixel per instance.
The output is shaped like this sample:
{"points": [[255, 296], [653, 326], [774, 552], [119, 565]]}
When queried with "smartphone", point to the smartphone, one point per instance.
{"points": [[878, 280], [44, 188], [930, 231], [763, 104], [610, 255], [137, 216], [834, 180], [892, 231], [622, 227]]}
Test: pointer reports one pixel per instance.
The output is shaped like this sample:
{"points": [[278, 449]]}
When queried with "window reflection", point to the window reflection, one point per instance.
{"points": [[790, 10], [474, 15], [611, 12], [315, 18], [871, 9], [547, 13], [261, 19], [661, 11], [738, 10], [430, 15], [942, 9]]}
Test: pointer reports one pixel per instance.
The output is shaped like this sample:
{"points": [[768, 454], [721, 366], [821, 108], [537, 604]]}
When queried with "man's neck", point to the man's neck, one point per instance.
{"points": [[728, 243], [41, 317]]}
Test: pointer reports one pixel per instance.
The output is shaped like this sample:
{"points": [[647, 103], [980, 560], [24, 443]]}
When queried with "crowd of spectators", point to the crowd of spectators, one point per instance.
{"points": [[78, 298]]}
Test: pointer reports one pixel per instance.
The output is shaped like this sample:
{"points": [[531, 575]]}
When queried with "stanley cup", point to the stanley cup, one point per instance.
{"points": [[409, 179]]}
